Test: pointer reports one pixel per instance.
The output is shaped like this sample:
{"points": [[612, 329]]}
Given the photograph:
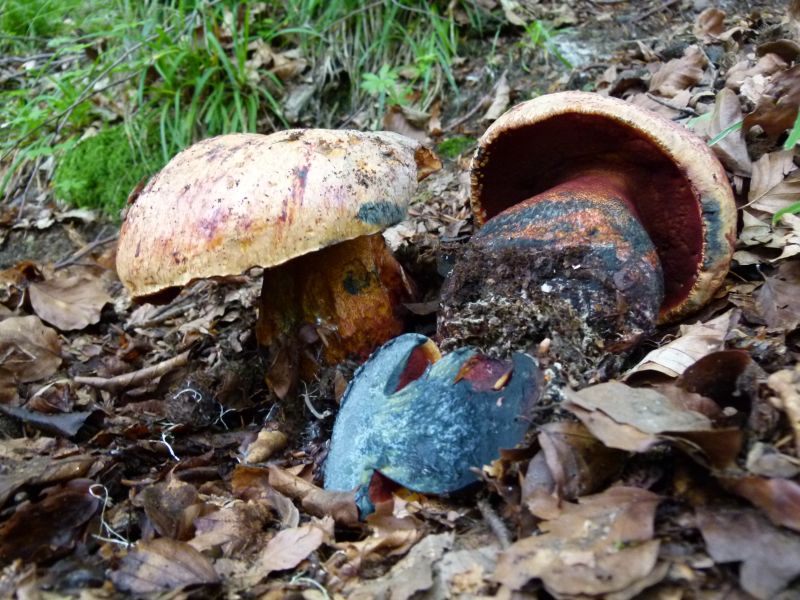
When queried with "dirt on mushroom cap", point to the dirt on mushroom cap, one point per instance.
{"points": [[234, 202]]}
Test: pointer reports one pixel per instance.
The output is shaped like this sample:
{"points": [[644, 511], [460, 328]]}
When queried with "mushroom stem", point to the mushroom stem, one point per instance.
{"points": [[347, 296], [573, 262]]}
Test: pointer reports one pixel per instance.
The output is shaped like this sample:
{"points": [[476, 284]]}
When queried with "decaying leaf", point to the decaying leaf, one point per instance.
{"points": [[710, 23], [252, 483], [500, 101], [265, 445], [770, 555], [171, 508], [778, 300], [693, 342], [29, 350], [289, 548], [42, 530], [69, 303], [602, 545], [679, 73], [413, 574], [786, 384], [64, 424], [776, 111], [41, 470], [778, 498], [234, 528], [730, 149], [163, 565], [571, 463], [743, 71], [636, 419], [340, 505], [770, 188]]}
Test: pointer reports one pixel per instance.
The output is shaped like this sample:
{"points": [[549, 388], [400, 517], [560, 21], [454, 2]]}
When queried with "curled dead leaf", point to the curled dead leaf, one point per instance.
{"points": [[777, 109], [163, 565], [29, 350], [679, 73]]}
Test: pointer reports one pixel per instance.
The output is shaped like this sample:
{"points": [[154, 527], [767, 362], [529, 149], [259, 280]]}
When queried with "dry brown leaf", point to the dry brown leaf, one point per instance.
{"points": [[289, 548], [778, 300], [679, 73], [694, 342], [732, 149], [778, 498], [171, 508], [770, 556], [42, 530], [408, 122], [784, 193], [710, 23], [29, 350], [786, 384], [40, 470], [253, 484], [163, 565], [576, 464], [635, 419], [502, 97], [767, 65], [777, 109], [234, 529], [768, 172], [70, 303], [413, 574], [602, 545]]}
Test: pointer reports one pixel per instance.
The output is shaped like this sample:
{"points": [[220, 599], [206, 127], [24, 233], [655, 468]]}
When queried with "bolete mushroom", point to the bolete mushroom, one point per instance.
{"points": [[307, 205], [599, 217], [414, 418]]}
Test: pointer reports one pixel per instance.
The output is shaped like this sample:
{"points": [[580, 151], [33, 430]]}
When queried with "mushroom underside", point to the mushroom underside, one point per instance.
{"points": [[527, 160]]}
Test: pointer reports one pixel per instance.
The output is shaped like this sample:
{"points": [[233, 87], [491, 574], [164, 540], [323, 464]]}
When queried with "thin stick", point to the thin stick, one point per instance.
{"points": [[687, 109], [71, 260], [657, 9], [495, 523], [135, 378]]}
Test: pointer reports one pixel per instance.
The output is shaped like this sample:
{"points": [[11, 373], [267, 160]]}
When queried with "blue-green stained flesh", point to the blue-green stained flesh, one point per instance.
{"points": [[430, 434]]}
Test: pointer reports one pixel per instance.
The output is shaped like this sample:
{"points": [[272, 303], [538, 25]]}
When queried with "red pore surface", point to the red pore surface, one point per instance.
{"points": [[528, 160]]}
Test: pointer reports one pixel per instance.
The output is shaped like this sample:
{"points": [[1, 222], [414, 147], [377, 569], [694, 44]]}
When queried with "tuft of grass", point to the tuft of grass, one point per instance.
{"points": [[540, 37]]}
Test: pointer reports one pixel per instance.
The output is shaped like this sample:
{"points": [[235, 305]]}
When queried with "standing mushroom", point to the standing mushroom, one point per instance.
{"points": [[307, 205], [600, 219]]}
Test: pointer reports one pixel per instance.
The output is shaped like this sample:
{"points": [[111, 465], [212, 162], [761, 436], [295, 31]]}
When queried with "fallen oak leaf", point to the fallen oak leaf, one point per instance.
{"points": [[29, 350], [770, 556], [778, 498], [289, 548], [600, 546], [69, 303], [163, 565], [45, 529]]}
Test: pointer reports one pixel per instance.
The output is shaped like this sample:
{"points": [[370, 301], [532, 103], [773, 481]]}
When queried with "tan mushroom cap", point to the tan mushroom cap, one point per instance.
{"points": [[233, 202], [682, 195]]}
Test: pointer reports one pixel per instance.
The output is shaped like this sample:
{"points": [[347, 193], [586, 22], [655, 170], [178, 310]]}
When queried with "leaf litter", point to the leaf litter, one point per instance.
{"points": [[143, 442]]}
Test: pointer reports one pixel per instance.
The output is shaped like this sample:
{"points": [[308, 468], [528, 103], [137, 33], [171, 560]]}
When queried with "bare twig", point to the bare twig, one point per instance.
{"points": [[657, 9], [135, 378], [487, 99], [495, 523], [683, 109], [71, 260]]}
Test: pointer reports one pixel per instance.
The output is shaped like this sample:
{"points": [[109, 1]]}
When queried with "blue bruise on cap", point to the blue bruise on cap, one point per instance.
{"points": [[716, 244], [381, 213], [429, 435]]}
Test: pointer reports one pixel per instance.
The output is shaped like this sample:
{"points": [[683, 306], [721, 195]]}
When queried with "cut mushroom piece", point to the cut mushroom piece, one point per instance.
{"points": [[627, 219], [414, 418], [307, 205]]}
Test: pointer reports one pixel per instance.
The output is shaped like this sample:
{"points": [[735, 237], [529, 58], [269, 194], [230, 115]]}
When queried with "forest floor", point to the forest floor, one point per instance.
{"points": [[144, 452]]}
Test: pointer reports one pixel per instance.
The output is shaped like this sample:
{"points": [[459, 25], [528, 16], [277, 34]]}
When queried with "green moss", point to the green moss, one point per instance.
{"points": [[455, 146], [100, 171]]}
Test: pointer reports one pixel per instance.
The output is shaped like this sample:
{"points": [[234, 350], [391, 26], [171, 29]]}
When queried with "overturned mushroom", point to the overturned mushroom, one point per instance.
{"points": [[413, 418], [600, 219], [307, 205]]}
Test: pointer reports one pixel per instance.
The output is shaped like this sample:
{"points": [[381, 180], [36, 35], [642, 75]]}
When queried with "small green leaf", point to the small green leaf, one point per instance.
{"points": [[725, 133], [792, 209]]}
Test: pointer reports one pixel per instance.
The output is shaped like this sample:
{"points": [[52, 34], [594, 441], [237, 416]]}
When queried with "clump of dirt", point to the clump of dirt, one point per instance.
{"points": [[515, 299]]}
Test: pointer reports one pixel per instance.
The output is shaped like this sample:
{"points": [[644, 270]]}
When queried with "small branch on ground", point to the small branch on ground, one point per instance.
{"points": [[135, 378], [71, 260], [495, 523]]}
